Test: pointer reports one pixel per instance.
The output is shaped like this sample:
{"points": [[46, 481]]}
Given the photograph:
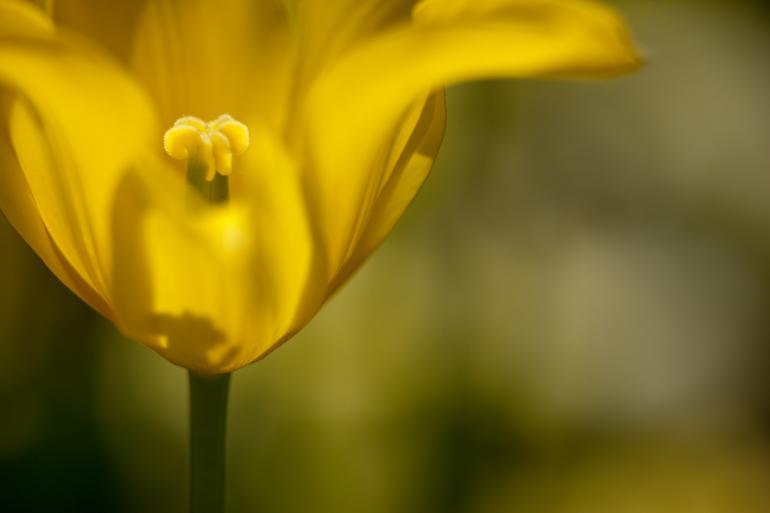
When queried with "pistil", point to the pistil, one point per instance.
{"points": [[208, 149]]}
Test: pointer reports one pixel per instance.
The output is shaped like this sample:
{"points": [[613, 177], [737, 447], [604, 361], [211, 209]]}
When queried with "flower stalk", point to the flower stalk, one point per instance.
{"points": [[208, 414], [208, 394]]}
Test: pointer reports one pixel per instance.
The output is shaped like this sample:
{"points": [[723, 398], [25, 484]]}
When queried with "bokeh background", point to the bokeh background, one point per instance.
{"points": [[572, 318]]}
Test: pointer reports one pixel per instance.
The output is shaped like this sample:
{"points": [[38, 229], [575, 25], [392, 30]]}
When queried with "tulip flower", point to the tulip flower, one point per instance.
{"points": [[206, 174]]}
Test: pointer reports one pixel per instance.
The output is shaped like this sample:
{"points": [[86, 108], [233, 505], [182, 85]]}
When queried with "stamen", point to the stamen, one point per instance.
{"points": [[208, 145]]}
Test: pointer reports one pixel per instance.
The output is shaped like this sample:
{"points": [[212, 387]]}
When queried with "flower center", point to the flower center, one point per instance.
{"points": [[209, 146]]}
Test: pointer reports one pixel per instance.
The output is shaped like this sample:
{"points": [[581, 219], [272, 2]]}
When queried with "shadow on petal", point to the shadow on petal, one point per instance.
{"points": [[165, 279], [192, 334]]}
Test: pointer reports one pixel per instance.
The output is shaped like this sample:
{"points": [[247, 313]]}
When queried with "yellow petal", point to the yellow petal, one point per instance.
{"points": [[74, 125], [203, 58], [214, 289], [23, 20], [197, 57], [356, 107], [112, 24], [410, 164], [19, 207], [329, 29]]}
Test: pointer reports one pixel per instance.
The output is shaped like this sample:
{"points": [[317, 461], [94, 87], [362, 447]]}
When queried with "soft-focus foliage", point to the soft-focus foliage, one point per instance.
{"points": [[577, 322]]}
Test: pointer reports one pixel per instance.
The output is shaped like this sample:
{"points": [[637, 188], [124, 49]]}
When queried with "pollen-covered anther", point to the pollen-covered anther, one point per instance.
{"points": [[211, 145]]}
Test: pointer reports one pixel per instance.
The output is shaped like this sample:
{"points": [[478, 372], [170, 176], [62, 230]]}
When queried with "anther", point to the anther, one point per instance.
{"points": [[211, 145]]}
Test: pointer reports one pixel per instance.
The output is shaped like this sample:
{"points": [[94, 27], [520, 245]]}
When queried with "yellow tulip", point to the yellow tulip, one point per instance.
{"points": [[340, 103]]}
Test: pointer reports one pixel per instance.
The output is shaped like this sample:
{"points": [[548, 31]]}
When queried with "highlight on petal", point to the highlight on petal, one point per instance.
{"points": [[567, 38], [72, 125], [355, 109]]}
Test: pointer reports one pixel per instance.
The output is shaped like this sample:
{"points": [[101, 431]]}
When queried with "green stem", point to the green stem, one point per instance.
{"points": [[216, 192], [208, 394], [208, 413]]}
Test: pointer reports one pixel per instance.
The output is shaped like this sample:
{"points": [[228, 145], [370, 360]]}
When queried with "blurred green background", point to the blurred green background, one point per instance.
{"points": [[572, 318]]}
